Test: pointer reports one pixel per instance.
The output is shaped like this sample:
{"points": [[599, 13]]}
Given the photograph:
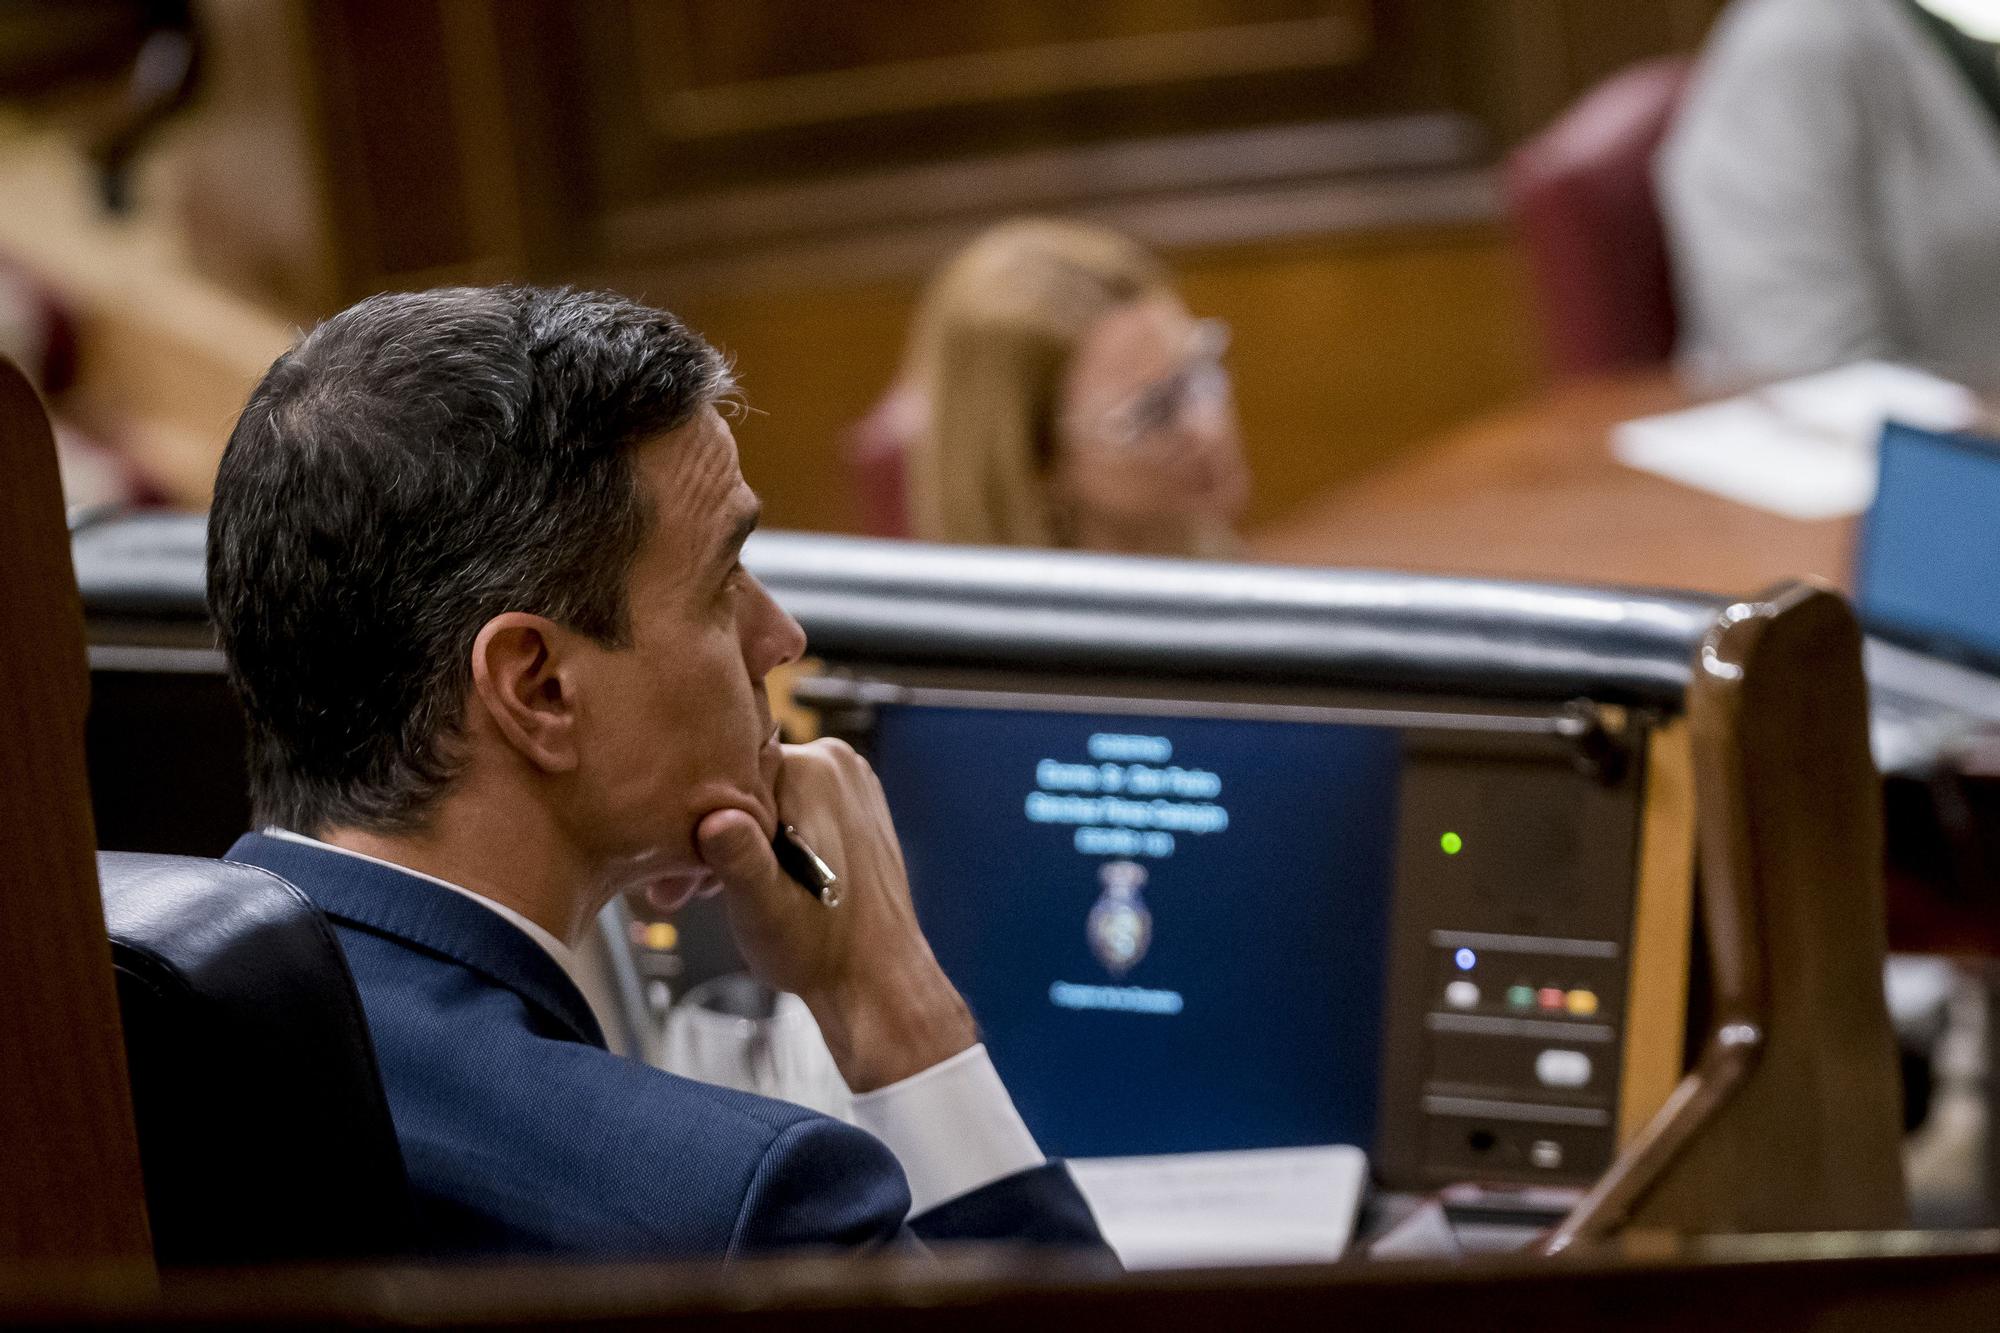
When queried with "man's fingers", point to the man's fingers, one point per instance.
{"points": [[733, 846]]}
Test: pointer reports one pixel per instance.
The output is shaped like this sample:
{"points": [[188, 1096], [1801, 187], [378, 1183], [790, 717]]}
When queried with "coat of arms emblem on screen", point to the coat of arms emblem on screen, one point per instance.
{"points": [[1120, 926]]}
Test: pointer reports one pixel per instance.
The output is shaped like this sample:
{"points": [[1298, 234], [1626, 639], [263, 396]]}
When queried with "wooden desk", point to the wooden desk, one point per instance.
{"points": [[1534, 493], [1941, 1282]]}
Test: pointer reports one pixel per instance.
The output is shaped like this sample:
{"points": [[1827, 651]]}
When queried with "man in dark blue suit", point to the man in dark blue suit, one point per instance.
{"points": [[473, 560]]}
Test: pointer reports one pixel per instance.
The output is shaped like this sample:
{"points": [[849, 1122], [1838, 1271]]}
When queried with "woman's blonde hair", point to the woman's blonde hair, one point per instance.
{"points": [[989, 349]]}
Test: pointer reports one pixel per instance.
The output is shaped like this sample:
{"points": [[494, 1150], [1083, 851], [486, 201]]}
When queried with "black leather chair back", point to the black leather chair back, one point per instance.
{"points": [[263, 1129]]}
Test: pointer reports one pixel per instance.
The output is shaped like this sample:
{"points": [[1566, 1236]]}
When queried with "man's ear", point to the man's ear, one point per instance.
{"points": [[518, 677]]}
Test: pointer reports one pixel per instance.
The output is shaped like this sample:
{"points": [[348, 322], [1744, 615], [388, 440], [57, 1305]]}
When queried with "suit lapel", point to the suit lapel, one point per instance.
{"points": [[391, 902]]}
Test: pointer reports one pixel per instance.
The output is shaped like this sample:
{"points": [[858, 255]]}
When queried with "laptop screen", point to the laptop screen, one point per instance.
{"points": [[1928, 569], [1172, 930]]}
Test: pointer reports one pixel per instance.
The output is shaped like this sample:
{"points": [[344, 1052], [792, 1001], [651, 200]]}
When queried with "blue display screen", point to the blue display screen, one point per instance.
{"points": [[1929, 568], [1172, 931]]}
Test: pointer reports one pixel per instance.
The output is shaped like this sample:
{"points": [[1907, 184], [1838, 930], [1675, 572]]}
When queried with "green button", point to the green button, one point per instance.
{"points": [[1520, 997]]}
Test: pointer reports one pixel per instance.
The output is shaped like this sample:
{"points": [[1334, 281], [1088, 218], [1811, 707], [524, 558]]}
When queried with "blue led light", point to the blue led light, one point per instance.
{"points": [[1465, 959]]}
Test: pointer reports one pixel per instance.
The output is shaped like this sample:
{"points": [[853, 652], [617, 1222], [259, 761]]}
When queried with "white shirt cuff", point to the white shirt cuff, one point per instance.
{"points": [[952, 1126]]}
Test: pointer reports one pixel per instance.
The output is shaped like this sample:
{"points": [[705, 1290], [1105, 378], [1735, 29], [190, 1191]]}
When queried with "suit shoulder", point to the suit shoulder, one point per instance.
{"points": [[645, 1104], [790, 1176], [822, 1182]]}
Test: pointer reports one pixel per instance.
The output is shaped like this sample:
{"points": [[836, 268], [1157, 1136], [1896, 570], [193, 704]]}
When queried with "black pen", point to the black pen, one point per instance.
{"points": [[797, 859]]}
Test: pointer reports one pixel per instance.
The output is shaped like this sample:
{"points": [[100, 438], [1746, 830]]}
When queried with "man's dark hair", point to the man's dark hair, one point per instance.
{"points": [[413, 467]]}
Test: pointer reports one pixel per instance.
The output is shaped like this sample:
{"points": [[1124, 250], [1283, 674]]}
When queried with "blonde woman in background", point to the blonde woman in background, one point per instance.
{"points": [[1058, 393]]}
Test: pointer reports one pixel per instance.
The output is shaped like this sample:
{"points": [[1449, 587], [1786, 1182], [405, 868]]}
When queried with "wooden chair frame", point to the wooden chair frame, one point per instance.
{"points": [[1789, 1120]]}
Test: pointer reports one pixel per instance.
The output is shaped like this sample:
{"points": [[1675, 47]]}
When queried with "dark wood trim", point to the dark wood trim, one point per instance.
{"points": [[1790, 1120], [1352, 179], [680, 107], [1943, 1283], [1656, 996], [70, 1185], [1049, 179], [1399, 212]]}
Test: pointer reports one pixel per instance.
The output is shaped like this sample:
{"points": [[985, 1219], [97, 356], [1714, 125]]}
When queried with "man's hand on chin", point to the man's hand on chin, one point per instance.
{"points": [[863, 967]]}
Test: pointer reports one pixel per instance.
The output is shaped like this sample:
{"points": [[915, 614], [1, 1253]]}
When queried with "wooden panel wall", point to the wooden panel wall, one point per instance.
{"points": [[349, 146], [717, 91], [1518, 63], [785, 172], [1345, 355]]}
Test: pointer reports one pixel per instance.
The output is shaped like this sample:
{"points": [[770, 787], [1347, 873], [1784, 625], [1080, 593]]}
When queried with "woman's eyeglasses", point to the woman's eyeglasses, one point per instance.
{"points": [[1201, 382]]}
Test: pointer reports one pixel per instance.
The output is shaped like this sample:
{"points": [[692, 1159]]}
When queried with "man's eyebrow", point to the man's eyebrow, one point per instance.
{"points": [[746, 523]]}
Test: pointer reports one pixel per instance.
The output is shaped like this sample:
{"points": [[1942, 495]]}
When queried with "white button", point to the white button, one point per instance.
{"points": [[1462, 994], [1546, 1154], [1562, 1069]]}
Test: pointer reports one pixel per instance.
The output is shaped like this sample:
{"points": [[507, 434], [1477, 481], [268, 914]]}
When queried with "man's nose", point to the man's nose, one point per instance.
{"points": [[777, 637], [794, 637]]}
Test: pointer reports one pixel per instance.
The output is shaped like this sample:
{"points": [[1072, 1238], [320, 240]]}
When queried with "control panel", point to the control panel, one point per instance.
{"points": [[1510, 961]]}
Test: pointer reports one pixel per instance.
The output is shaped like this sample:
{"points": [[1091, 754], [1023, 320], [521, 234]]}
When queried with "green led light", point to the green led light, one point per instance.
{"points": [[1452, 844]]}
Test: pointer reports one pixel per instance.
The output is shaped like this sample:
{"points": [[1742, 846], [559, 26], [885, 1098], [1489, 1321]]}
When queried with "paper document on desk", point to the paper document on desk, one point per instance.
{"points": [[1189, 1210], [1804, 448]]}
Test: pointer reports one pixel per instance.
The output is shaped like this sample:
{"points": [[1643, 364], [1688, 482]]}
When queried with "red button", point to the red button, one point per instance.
{"points": [[1550, 997]]}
